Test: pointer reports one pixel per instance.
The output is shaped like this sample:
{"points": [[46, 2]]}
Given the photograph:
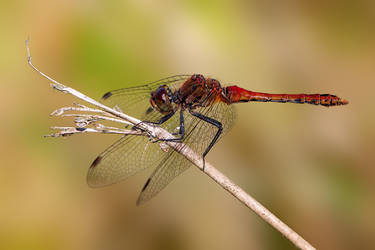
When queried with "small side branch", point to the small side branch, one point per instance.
{"points": [[67, 131], [106, 113]]}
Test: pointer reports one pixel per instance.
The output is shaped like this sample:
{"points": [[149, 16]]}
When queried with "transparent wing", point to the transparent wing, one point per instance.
{"points": [[166, 171], [133, 153], [135, 101], [130, 154], [198, 136], [123, 159]]}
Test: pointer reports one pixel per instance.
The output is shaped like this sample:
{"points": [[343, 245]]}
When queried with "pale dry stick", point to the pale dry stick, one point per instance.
{"points": [[66, 131], [84, 120], [96, 118], [212, 172], [81, 108]]}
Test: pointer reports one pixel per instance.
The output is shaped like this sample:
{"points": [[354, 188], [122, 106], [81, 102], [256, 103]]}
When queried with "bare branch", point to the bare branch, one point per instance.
{"points": [[157, 132], [79, 107], [67, 131]]}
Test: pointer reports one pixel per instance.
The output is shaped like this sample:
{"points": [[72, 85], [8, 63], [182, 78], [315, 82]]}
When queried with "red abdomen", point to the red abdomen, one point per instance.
{"points": [[236, 94]]}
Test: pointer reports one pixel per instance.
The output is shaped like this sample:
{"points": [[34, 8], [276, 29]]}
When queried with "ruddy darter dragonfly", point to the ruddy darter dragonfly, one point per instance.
{"points": [[197, 110]]}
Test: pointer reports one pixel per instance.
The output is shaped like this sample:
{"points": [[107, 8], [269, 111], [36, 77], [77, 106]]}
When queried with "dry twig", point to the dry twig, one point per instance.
{"points": [[109, 114]]}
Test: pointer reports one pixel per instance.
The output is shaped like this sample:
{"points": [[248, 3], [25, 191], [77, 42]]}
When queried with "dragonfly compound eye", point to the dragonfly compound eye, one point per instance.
{"points": [[198, 78], [161, 101]]}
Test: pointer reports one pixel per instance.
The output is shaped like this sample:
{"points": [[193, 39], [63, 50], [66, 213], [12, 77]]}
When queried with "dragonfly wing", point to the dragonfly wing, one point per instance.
{"points": [[173, 165], [198, 135], [130, 154], [135, 101], [124, 158], [134, 153]]}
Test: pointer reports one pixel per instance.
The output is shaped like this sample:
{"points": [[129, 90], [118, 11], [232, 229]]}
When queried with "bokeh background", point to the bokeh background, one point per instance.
{"points": [[313, 167]]}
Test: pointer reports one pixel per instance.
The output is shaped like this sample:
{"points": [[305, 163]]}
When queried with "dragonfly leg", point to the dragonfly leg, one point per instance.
{"points": [[162, 120], [181, 130], [217, 135]]}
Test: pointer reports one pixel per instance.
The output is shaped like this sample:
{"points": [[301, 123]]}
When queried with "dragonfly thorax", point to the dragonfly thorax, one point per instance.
{"points": [[199, 91], [162, 101]]}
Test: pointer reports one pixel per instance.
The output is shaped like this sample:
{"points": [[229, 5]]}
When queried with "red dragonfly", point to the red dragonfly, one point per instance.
{"points": [[197, 110]]}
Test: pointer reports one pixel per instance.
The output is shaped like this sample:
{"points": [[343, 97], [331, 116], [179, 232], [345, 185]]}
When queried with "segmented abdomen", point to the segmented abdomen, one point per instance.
{"points": [[237, 94]]}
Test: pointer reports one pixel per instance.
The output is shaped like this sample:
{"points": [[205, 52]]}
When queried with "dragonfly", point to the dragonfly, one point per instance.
{"points": [[196, 109]]}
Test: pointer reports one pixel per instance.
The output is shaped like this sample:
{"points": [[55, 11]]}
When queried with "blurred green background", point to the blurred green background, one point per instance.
{"points": [[313, 167]]}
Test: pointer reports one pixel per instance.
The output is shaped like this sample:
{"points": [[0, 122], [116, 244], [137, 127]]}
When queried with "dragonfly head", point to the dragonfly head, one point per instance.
{"points": [[161, 99]]}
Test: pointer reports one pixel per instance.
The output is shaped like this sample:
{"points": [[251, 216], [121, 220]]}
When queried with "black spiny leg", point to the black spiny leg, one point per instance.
{"points": [[218, 133], [162, 120], [181, 130]]}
